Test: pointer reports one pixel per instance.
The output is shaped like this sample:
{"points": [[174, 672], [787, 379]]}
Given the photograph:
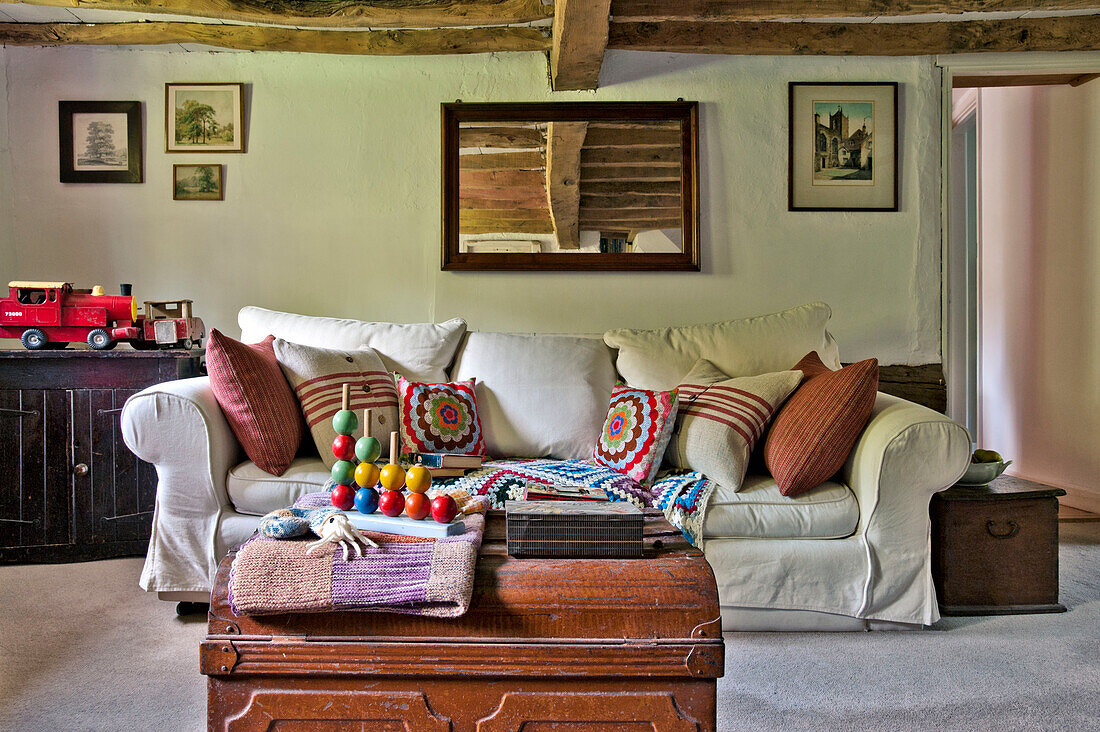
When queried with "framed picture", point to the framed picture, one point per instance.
{"points": [[100, 142], [203, 118], [197, 183], [843, 146]]}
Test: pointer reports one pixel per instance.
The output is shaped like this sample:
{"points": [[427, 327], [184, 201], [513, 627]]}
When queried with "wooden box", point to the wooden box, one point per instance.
{"points": [[70, 490], [594, 644], [995, 548]]}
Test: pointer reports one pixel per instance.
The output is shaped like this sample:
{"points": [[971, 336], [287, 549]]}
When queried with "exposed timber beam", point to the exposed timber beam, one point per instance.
{"points": [[665, 156], [619, 202], [507, 137], [267, 38], [580, 37], [629, 186], [1068, 33], [720, 10], [517, 197], [502, 161], [501, 179], [331, 13], [594, 172], [1075, 78], [563, 178], [511, 222], [609, 137]]}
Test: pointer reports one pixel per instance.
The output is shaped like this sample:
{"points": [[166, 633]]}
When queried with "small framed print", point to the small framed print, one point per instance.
{"points": [[203, 118], [843, 146], [197, 183], [100, 142]]}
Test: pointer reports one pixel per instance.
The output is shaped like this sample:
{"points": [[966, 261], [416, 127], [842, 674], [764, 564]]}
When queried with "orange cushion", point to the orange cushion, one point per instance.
{"points": [[257, 400], [816, 429]]}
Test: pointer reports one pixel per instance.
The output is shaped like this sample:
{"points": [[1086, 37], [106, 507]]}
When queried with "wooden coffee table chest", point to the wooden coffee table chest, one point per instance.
{"points": [[594, 644], [995, 548]]}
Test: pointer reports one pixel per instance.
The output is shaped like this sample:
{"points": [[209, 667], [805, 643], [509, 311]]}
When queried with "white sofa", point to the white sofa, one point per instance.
{"points": [[853, 554]]}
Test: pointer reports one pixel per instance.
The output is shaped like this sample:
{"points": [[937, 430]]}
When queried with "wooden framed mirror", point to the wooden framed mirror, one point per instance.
{"points": [[570, 186]]}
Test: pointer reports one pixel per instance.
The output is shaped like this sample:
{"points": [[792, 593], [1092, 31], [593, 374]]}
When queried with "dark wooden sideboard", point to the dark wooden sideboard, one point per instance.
{"points": [[70, 490]]}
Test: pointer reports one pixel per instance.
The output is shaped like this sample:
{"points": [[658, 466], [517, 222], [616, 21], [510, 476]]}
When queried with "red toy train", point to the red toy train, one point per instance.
{"points": [[53, 314]]}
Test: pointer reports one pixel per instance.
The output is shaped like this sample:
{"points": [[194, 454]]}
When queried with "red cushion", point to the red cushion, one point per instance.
{"points": [[816, 429], [257, 400]]}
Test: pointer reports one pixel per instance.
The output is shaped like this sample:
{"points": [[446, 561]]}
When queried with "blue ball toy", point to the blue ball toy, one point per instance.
{"points": [[366, 500]]}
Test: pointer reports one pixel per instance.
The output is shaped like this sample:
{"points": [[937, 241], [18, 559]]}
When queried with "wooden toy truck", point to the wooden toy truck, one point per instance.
{"points": [[54, 314]]}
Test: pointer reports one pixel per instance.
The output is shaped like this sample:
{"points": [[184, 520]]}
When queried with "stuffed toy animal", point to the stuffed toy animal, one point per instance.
{"points": [[329, 523]]}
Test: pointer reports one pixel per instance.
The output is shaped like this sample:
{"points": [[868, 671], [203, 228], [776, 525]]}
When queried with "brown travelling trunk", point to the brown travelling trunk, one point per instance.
{"points": [[593, 644]]}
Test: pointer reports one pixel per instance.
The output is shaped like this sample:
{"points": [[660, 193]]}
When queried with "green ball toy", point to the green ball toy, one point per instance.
{"points": [[367, 449], [344, 422], [343, 472]]}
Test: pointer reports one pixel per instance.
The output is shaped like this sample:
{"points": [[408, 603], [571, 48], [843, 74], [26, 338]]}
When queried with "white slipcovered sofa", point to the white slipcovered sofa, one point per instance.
{"points": [[853, 554]]}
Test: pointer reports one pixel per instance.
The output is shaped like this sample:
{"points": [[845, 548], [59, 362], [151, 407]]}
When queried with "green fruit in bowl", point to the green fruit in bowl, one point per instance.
{"points": [[986, 456]]}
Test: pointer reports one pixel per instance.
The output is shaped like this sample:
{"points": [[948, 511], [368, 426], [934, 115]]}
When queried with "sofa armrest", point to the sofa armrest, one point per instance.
{"points": [[905, 454], [179, 428]]}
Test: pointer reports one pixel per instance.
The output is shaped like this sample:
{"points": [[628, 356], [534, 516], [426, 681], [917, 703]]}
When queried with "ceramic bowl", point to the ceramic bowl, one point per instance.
{"points": [[983, 473]]}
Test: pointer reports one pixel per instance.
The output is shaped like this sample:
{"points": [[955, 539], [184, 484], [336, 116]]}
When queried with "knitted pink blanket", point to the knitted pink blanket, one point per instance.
{"points": [[406, 575]]}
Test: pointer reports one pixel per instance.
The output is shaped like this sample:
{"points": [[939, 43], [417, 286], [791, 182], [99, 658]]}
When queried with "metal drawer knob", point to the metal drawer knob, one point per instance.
{"points": [[80, 469], [1013, 529]]}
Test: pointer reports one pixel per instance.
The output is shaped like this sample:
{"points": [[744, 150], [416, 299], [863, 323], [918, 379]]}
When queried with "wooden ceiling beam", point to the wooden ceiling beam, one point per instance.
{"points": [[653, 11], [266, 38], [330, 14], [595, 172], [607, 137], [502, 161], [564, 141], [1067, 33], [508, 222], [617, 202], [1075, 78], [664, 156], [501, 179], [629, 186], [579, 40], [506, 137]]}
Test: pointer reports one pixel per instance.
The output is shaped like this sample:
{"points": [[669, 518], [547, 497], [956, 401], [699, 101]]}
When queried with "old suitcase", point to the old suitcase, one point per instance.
{"points": [[995, 548], [594, 644]]}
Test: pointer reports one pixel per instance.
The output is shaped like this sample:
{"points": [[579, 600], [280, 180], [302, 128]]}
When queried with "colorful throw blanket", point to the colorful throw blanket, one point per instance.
{"points": [[682, 496], [407, 575]]}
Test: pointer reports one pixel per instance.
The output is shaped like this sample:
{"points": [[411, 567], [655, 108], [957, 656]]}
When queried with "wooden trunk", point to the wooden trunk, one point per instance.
{"points": [[70, 490], [995, 548], [594, 644]]}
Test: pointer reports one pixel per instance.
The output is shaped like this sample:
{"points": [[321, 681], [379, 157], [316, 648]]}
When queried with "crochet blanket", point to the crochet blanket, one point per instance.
{"points": [[407, 575], [682, 496]]}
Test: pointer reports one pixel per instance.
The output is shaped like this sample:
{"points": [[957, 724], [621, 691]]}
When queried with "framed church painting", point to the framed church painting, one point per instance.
{"points": [[843, 146]]}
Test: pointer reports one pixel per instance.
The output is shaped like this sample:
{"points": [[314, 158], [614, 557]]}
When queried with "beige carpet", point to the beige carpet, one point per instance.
{"points": [[82, 648]]}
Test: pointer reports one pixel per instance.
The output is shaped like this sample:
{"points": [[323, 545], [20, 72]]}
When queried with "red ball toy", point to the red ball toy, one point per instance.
{"points": [[343, 497], [343, 447], [444, 509], [416, 506], [392, 503]]}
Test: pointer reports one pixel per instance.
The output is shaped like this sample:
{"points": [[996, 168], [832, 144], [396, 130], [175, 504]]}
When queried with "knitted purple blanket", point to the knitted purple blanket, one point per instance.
{"points": [[406, 575]]}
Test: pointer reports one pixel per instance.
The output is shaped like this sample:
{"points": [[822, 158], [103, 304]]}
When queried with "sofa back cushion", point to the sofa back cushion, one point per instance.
{"points": [[538, 395], [417, 351], [659, 359]]}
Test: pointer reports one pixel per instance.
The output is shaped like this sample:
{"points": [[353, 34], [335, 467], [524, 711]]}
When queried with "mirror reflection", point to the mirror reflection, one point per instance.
{"points": [[575, 187]]}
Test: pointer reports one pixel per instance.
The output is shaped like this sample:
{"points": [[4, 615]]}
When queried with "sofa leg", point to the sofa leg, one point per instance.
{"points": [[191, 608]]}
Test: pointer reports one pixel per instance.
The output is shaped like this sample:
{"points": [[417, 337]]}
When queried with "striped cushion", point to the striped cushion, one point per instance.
{"points": [[257, 401], [720, 420], [820, 423], [318, 376]]}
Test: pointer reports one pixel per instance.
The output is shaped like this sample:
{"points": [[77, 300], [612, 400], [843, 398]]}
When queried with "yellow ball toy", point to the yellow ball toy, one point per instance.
{"points": [[419, 479], [392, 477], [366, 475]]}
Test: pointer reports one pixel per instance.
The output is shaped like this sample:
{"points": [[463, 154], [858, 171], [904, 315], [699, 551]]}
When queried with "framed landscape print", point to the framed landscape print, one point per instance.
{"points": [[100, 142], [843, 146], [203, 118], [197, 183]]}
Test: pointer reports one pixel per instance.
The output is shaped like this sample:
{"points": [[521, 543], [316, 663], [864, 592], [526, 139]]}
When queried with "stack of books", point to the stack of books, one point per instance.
{"points": [[535, 491], [574, 529], [445, 464]]}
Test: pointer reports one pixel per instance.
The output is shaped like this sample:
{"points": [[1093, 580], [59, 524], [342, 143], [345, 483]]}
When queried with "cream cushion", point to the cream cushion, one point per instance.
{"points": [[760, 511], [256, 493], [538, 395], [658, 359], [417, 351]]}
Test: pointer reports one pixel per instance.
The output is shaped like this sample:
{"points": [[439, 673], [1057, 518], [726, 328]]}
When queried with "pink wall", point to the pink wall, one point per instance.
{"points": [[1039, 279]]}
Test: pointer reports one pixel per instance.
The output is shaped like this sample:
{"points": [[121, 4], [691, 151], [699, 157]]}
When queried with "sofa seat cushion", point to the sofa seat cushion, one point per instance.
{"points": [[760, 511], [256, 493]]}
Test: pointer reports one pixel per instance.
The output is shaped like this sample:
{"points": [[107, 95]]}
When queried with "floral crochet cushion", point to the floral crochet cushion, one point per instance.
{"points": [[440, 417], [637, 429]]}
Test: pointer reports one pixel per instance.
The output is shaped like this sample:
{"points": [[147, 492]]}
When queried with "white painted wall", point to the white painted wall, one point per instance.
{"points": [[1039, 275], [335, 207]]}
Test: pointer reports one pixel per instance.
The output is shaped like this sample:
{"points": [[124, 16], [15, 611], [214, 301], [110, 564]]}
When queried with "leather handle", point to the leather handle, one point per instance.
{"points": [[1013, 529]]}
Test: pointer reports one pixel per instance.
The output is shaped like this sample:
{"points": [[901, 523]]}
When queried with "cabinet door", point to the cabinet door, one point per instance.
{"points": [[34, 457], [113, 491]]}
